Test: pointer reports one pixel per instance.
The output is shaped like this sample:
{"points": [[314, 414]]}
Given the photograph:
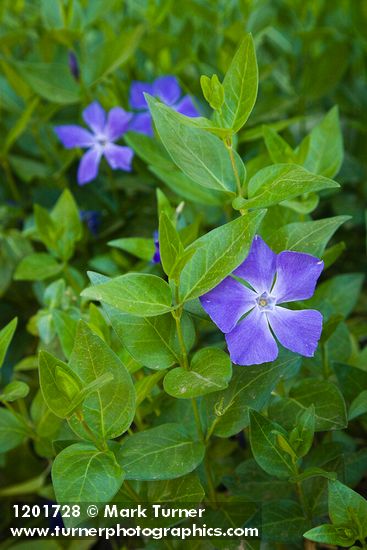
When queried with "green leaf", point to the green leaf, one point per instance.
{"points": [[184, 489], [240, 86], [279, 150], [358, 406], [67, 383], [187, 188], [150, 150], [145, 385], [301, 437], [13, 391], [201, 156], [21, 124], [347, 507], [6, 335], [60, 230], [279, 182], [29, 169], [81, 473], [337, 535], [164, 452], [104, 58], [155, 155], [325, 148], [46, 228], [330, 410], [59, 385], [12, 431], [313, 472], [311, 237], [266, 449], [66, 218], [55, 294], [304, 204], [332, 294], [52, 81], [52, 14], [333, 253], [213, 91], [152, 341], [283, 521], [218, 253], [252, 484], [350, 379], [210, 371], [140, 294], [170, 245], [137, 246], [29, 487], [104, 410], [249, 387], [66, 329], [37, 267]]}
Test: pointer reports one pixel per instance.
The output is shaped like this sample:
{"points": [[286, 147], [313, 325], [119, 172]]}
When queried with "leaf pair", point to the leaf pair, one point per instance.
{"points": [[92, 385], [59, 231], [348, 513], [93, 475]]}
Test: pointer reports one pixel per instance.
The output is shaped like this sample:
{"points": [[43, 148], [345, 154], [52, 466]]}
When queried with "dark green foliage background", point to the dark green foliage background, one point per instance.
{"points": [[311, 57]]}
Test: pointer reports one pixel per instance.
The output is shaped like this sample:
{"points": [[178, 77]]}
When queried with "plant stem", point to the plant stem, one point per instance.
{"points": [[184, 359], [228, 144], [185, 364], [96, 442], [11, 181], [302, 498], [197, 420]]}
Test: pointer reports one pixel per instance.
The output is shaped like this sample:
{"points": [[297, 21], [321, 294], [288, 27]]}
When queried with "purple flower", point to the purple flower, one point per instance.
{"points": [[168, 90], [249, 315], [157, 255], [99, 141]]}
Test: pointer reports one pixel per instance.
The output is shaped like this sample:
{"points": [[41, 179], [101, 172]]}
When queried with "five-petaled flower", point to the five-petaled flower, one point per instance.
{"points": [[165, 88], [99, 141], [250, 314]]}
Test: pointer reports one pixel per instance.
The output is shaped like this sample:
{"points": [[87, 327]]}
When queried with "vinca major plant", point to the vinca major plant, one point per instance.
{"points": [[186, 330]]}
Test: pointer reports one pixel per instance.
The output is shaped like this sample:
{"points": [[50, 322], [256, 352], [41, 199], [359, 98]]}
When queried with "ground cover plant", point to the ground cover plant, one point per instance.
{"points": [[182, 257]]}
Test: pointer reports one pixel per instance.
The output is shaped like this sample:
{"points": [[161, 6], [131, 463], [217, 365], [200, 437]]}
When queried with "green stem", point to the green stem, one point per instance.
{"points": [[228, 144], [197, 420], [184, 360], [302, 498], [96, 442], [211, 429], [11, 181], [185, 364]]}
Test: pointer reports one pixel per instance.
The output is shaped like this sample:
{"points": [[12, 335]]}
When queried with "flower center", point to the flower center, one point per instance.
{"points": [[265, 302], [101, 140]]}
